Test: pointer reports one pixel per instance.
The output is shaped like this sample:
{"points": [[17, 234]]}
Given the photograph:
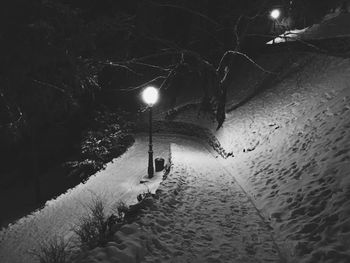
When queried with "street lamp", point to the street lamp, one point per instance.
{"points": [[274, 14], [150, 97]]}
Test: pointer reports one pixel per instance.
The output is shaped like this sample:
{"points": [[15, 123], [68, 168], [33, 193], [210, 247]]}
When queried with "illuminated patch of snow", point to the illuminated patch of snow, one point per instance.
{"points": [[290, 35]]}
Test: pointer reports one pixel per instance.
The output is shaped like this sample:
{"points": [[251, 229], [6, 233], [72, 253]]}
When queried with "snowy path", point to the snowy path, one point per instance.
{"points": [[204, 216]]}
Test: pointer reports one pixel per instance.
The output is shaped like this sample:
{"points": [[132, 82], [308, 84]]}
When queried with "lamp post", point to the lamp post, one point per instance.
{"points": [[150, 97], [274, 14]]}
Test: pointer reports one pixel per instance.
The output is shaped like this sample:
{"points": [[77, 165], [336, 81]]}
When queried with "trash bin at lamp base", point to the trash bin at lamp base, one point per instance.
{"points": [[159, 164]]}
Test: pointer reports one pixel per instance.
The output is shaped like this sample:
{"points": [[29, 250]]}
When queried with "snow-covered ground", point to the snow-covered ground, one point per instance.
{"points": [[291, 154], [201, 215], [120, 181], [291, 147], [204, 216], [334, 25], [298, 169]]}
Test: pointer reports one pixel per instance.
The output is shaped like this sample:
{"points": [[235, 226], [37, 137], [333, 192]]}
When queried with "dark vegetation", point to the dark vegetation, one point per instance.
{"points": [[93, 229], [55, 250], [71, 70], [107, 137], [98, 226]]}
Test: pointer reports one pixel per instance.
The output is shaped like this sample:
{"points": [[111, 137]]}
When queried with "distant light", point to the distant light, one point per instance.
{"points": [[150, 95], [275, 14]]}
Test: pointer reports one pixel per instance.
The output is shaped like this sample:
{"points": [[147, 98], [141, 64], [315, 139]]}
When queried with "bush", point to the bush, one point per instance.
{"points": [[96, 228], [56, 250], [107, 138]]}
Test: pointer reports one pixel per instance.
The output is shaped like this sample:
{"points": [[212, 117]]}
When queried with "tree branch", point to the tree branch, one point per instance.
{"points": [[120, 65], [230, 52], [285, 36], [45, 84], [150, 66], [189, 11], [143, 84]]}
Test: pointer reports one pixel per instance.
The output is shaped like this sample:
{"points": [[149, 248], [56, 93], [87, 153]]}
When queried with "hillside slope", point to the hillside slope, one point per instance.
{"points": [[291, 149]]}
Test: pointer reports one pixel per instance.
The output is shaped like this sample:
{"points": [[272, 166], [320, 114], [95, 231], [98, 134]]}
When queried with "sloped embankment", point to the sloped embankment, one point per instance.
{"points": [[292, 152]]}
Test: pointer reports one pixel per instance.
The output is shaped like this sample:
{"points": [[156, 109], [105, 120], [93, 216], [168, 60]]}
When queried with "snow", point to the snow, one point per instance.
{"points": [[120, 181], [291, 147], [335, 26], [298, 170], [291, 154], [201, 215], [204, 216], [289, 35], [283, 195]]}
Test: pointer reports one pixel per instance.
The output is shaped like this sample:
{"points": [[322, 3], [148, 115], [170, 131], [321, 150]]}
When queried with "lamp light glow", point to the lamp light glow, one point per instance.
{"points": [[275, 14], [150, 95]]}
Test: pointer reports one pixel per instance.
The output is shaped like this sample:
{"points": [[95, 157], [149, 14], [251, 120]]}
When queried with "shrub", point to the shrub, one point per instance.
{"points": [[56, 250], [96, 227]]}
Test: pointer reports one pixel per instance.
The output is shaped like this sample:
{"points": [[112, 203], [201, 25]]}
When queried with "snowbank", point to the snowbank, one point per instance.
{"points": [[334, 26], [119, 181]]}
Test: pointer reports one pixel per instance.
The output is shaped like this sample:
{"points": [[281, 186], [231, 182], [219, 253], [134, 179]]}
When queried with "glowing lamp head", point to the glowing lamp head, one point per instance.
{"points": [[150, 95], [275, 14]]}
